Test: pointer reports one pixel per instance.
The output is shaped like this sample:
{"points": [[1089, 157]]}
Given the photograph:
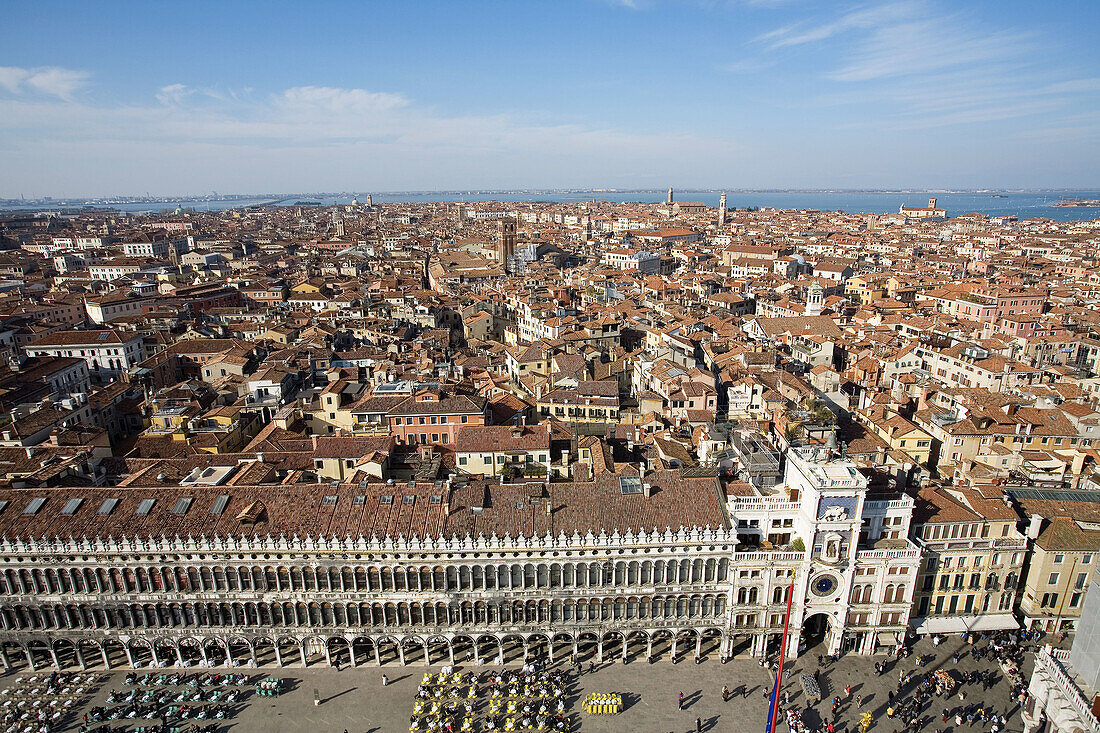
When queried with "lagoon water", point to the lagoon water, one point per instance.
{"points": [[1025, 205]]}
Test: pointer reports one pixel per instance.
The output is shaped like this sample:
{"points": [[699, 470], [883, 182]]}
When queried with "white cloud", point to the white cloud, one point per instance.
{"points": [[313, 128], [798, 34], [914, 66], [49, 80], [174, 94], [12, 77]]}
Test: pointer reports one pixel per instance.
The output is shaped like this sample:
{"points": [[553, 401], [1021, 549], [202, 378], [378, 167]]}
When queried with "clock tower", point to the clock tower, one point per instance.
{"points": [[831, 493]]}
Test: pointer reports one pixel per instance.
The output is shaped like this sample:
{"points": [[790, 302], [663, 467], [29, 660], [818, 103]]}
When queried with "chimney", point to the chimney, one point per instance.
{"points": [[1035, 525], [647, 490]]}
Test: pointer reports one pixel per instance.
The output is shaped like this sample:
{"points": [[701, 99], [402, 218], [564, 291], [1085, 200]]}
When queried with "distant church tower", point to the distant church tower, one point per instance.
{"points": [[722, 210], [669, 195], [506, 241], [370, 200], [815, 299]]}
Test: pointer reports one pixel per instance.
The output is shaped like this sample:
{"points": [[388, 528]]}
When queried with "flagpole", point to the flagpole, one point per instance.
{"points": [[774, 711]]}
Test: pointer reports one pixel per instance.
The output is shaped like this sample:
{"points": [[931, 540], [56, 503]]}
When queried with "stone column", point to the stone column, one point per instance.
{"points": [[328, 655], [599, 649], [672, 654], [401, 653], [56, 661], [351, 653], [106, 659], [153, 654], [179, 655], [477, 654], [4, 657], [30, 657], [649, 649], [626, 643], [450, 652], [377, 656], [302, 654], [698, 644], [228, 656], [278, 656], [80, 657], [129, 656]]}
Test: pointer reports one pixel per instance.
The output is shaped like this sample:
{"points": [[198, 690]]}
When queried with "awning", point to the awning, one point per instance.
{"points": [[940, 625], [959, 624], [994, 622], [887, 638]]}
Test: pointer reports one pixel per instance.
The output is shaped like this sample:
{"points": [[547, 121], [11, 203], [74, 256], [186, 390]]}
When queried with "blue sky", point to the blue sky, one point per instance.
{"points": [[168, 98]]}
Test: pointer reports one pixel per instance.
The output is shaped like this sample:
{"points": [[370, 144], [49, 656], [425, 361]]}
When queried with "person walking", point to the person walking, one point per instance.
{"points": [[698, 725], [725, 694], [385, 680], [847, 691], [680, 704], [859, 701]]}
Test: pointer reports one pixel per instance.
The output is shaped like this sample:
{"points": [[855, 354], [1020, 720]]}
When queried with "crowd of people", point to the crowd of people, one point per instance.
{"points": [[922, 689]]}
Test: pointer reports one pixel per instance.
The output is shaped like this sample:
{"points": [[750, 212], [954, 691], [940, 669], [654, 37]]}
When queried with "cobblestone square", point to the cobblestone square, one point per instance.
{"points": [[356, 700]]}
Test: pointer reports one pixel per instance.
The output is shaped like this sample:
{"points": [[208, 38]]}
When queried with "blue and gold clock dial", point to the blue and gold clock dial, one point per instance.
{"points": [[823, 585]]}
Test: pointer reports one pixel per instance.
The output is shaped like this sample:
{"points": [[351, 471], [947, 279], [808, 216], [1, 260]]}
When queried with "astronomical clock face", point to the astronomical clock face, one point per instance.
{"points": [[824, 585]]}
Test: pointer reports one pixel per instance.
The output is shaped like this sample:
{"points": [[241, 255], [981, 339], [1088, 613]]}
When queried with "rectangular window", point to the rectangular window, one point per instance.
{"points": [[1053, 579]]}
